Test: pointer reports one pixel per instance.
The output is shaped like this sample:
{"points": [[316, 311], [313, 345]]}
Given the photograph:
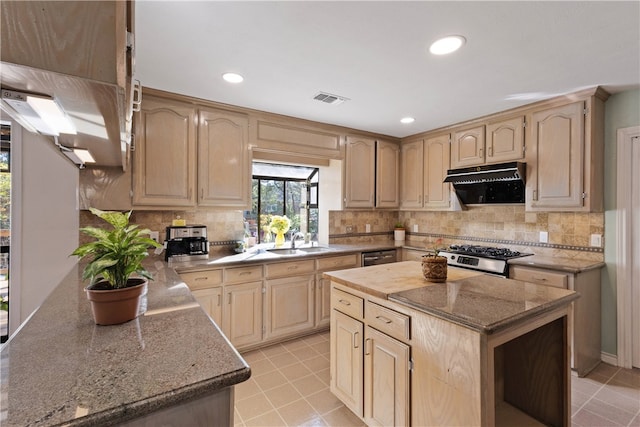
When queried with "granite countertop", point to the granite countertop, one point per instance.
{"points": [[61, 368], [477, 301], [259, 255], [566, 265]]}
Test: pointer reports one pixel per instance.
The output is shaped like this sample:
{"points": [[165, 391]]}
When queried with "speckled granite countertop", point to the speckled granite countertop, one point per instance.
{"points": [[480, 302], [60, 368], [259, 255], [566, 265]]}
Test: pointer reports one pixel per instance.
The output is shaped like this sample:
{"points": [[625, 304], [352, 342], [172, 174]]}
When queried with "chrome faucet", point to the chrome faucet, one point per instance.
{"points": [[293, 238]]}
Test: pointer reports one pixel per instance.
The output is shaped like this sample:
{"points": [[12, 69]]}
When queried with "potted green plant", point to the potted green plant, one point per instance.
{"points": [[399, 232], [115, 256], [434, 267]]}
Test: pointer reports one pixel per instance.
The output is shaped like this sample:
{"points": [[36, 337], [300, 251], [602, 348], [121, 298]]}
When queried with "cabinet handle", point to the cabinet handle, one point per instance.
{"points": [[136, 99], [344, 301], [355, 340], [384, 319], [292, 267], [202, 194], [245, 273], [229, 302], [219, 300], [490, 151], [535, 194], [201, 278], [540, 279], [480, 152], [367, 346]]}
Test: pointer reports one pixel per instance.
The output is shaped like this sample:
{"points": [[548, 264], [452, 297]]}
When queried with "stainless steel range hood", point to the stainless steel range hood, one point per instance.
{"points": [[489, 184]]}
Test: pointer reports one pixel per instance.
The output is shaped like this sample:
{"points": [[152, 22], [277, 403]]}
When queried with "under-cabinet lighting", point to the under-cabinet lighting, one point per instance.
{"points": [[37, 113]]}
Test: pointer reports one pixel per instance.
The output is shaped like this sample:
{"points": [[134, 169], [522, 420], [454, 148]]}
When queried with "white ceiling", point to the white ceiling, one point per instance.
{"points": [[376, 54]]}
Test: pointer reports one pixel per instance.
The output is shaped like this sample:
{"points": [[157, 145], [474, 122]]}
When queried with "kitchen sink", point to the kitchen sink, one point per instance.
{"points": [[286, 251], [315, 249]]}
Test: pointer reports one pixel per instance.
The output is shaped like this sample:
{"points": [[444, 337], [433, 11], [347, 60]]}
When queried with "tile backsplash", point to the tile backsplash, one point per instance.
{"points": [[505, 226]]}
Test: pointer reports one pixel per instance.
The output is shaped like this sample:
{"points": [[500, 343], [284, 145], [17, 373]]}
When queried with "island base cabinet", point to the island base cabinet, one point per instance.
{"points": [[386, 380], [347, 361]]}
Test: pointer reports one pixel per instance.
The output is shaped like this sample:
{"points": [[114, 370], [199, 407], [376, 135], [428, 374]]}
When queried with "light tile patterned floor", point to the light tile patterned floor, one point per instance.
{"points": [[289, 386]]}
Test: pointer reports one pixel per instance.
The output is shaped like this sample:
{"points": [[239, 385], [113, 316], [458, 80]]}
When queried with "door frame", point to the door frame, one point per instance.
{"points": [[624, 245]]}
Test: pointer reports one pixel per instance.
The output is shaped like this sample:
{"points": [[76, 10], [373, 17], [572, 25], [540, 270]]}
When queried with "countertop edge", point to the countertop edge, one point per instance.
{"points": [[557, 264]]}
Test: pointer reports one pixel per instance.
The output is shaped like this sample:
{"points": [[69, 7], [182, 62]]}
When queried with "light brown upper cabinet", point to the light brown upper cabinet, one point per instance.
{"points": [[565, 164], [424, 167], [505, 140], [371, 173], [224, 163], [164, 172], [467, 147]]}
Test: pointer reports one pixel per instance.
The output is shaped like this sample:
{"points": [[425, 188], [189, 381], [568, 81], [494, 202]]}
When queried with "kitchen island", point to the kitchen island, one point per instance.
{"points": [[170, 366], [477, 350]]}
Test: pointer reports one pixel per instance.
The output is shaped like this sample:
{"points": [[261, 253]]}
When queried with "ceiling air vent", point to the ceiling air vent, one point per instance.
{"points": [[328, 98]]}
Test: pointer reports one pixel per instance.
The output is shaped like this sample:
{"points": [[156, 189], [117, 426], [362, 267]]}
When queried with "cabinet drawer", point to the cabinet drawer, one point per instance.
{"points": [[202, 279], [540, 277], [243, 274], [388, 321], [338, 262], [290, 268], [347, 303]]}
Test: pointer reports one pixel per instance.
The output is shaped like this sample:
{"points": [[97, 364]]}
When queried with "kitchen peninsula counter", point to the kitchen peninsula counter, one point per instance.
{"points": [[62, 369], [485, 350]]}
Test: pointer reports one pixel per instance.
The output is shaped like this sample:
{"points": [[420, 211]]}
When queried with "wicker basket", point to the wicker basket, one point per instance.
{"points": [[434, 269]]}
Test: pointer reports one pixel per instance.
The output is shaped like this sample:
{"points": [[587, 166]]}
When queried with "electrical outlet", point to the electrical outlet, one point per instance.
{"points": [[596, 240], [415, 228], [367, 228], [155, 235], [349, 228], [544, 237]]}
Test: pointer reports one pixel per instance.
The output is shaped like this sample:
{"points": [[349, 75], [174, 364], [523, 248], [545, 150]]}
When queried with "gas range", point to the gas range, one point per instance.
{"points": [[481, 258]]}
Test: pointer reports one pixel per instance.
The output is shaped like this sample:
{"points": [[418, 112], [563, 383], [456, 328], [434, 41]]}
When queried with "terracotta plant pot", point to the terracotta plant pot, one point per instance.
{"points": [[434, 269], [114, 306]]}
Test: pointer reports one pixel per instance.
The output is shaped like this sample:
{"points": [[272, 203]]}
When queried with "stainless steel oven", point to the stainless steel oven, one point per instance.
{"points": [[379, 257], [481, 258]]}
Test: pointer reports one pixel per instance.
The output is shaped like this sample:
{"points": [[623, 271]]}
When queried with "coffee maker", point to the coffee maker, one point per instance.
{"points": [[186, 243]]}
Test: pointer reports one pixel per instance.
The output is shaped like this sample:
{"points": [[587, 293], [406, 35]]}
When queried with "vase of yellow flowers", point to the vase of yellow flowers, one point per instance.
{"points": [[279, 225], [434, 267]]}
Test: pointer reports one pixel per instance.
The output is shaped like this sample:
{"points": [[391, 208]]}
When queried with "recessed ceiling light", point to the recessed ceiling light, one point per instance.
{"points": [[232, 77], [447, 45], [407, 120]]}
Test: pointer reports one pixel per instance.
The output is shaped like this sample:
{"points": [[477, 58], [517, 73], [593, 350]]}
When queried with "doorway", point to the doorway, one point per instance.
{"points": [[628, 246]]}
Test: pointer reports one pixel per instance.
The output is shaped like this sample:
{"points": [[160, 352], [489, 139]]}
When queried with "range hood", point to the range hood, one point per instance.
{"points": [[489, 184]]}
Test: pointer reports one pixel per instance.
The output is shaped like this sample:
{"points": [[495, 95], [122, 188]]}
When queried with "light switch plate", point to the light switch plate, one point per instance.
{"points": [[415, 228], [596, 240], [544, 237], [367, 228]]}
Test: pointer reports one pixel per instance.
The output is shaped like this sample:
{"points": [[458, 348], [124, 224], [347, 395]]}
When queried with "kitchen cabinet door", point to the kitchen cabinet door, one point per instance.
{"points": [[211, 302], [412, 175], [242, 314], [387, 175], [347, 361], [467, 148], [289, 305], [505, 140], [386, 380], [323, 301], [558, 138], [224, 160], [164, 170], [437, 194], [359, 172]]}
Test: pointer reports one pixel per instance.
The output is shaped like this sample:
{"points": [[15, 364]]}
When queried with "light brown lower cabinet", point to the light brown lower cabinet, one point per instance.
{"points": [[289, 305], [323, 301], [242, 313], [211, 302], [370, 370]]}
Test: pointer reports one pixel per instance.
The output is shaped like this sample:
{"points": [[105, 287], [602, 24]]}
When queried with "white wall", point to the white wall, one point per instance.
{"points": [[45, 216], [329, 197]]}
